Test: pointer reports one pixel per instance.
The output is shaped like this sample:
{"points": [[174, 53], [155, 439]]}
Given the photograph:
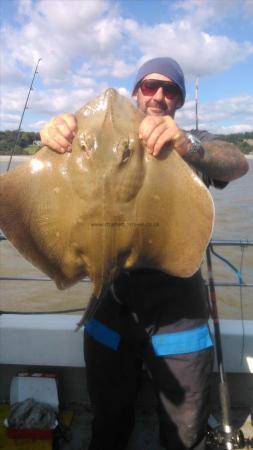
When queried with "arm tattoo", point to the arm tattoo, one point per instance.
{"points": [[221, 160]]}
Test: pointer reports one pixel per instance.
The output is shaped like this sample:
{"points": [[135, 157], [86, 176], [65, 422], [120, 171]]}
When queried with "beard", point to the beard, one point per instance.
{"points": [[155, 108]]}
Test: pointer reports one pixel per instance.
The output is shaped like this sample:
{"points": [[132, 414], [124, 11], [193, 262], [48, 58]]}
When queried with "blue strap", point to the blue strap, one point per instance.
{"points": [[180, 342], [103, 334]]}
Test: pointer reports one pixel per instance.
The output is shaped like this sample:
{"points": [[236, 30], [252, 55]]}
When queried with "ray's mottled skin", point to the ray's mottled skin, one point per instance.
{"points": [[108, 205]]}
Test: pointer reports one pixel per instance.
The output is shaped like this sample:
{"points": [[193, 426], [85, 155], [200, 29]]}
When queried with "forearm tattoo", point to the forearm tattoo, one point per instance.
{"points": [[221, 160]]}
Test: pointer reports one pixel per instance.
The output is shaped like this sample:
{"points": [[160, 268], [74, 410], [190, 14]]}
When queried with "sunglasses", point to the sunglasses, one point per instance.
{"points": [[150, 87]]}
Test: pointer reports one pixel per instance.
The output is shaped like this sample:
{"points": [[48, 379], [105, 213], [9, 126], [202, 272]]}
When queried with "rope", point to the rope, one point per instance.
{"points": [[31, 414], [237, 272]]}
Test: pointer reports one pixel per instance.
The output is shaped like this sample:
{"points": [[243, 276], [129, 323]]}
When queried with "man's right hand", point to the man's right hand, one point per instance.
{"points": [[59, 132]]}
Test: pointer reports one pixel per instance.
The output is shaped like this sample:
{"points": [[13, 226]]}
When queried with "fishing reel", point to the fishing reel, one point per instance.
{"points": [[218, 439]]}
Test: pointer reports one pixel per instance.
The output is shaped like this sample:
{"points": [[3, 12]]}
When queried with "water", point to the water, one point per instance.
{"points": [[234, 220]]}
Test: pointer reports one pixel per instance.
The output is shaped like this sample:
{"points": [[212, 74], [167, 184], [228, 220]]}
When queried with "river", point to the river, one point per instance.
{"points": [[234, 220]]}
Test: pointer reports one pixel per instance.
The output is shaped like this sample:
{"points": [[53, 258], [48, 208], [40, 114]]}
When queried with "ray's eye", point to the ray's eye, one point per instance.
{"points": [[86, 144], [86, 150], [126, 154], [124, 150]]}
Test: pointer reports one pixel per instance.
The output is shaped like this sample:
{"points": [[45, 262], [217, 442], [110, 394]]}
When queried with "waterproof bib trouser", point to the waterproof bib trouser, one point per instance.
{"points": [[160, 324]]}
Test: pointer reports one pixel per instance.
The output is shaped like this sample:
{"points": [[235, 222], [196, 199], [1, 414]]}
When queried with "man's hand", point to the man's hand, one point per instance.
{"points": [[156, 131], [59, 132]]}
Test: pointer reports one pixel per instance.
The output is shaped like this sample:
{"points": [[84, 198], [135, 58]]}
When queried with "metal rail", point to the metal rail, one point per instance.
{"points": [[87, 280], [4, 278], [232, 242], [213, 243]]}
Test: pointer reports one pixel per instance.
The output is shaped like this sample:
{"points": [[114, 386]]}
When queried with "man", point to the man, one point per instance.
{"points": [[149, 317]]}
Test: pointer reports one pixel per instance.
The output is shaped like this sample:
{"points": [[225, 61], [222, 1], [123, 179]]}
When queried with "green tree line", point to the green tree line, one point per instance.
{"points": [[28, 142], [25, 144], [243, 140]]}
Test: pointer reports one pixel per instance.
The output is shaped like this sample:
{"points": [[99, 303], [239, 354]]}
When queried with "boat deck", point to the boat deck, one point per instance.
{"points": [[145, 434], [74, 398], [58, 350]]}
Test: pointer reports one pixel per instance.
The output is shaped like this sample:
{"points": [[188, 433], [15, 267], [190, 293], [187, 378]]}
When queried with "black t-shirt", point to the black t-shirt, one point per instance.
{"points": [[158, 297], [151, 292]]}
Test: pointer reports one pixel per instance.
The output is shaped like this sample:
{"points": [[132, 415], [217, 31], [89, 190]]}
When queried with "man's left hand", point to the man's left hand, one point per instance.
{"points": [[157, 131]]}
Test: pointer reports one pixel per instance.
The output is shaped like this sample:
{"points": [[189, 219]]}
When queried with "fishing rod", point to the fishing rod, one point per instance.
{"points": [[23, 112], [224, 436]]}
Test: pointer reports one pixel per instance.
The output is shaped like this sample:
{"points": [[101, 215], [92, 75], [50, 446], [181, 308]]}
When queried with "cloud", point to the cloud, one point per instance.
{"points": [[248, 8], [206, 13], [197, 12], [93, 33], [214, 115], [232, 107], [10, 73], [13, 100], [46, 104], [225, 115], [10, 120], [117, 68], [190, 37], [24, 8], [198, 52], [63, 32], [86, 45], [52, 101], [239, 128]]}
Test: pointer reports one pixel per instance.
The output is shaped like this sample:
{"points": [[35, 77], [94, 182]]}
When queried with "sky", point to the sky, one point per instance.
{"points": [[86, 46]]}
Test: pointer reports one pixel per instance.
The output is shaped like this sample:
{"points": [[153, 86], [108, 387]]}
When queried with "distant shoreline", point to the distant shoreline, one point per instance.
{"points": [[20, 158]]}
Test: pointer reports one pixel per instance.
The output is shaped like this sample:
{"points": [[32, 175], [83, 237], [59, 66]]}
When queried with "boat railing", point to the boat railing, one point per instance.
{"points": [[214, 243], [227, 243]]}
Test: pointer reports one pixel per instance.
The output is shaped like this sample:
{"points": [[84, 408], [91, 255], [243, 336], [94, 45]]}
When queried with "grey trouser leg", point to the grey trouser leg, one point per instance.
{"points": [[182, 384]]}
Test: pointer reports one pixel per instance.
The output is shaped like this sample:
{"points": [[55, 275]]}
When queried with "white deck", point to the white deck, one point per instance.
{"points": [[51, 340]]}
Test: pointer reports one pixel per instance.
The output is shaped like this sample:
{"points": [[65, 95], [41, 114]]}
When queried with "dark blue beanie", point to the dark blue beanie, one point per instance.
{"points": [[165, 66]]}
